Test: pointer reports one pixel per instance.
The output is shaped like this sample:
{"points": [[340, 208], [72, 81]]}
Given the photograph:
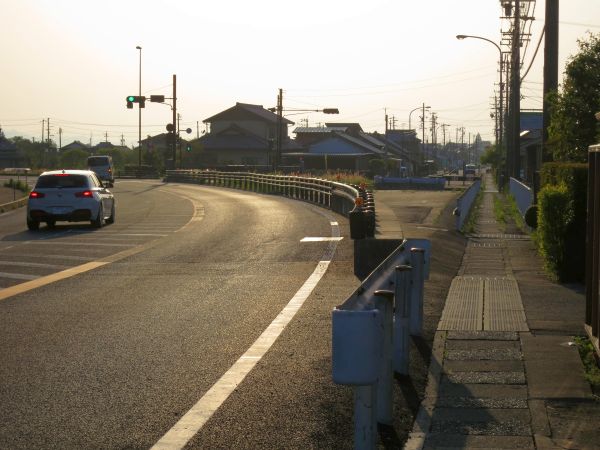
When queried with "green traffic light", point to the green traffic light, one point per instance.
{"points": [[131, 98]]}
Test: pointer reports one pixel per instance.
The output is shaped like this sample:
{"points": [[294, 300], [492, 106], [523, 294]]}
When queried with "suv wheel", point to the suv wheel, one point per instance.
{"points": [[33, 225]]}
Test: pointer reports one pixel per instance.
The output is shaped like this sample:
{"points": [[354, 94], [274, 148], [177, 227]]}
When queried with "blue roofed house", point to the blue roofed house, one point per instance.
{"points": [[345, 146]]}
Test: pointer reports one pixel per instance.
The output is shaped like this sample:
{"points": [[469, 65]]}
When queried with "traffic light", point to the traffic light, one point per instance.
{"points": [[131, 99], [188, 147]]}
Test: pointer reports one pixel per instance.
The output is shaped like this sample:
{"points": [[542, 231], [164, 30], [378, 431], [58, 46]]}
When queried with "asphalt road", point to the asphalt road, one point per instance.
{"points": [[180, 287]]}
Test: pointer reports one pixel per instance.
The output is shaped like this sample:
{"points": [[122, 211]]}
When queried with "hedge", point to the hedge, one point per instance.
{"points": [[562, 210]]}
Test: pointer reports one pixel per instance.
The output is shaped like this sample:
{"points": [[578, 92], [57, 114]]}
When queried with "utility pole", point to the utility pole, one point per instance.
{"points": [[423, 133], [48, 133], [59, 138], [515, 93], [444, 125], [386, 122], [550, 70], [122, 140], [43, 126], [277, 160], [179, 141], [175, 134], [462, 141], [197, 129], [106, 136]]}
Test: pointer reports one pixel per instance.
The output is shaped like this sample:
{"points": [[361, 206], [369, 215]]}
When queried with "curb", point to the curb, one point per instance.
{"points": [[422, 425], [5, 207]]}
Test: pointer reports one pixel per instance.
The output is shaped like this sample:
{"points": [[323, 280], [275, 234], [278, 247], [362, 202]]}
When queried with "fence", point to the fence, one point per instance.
{"points": [[338, 197], [370, 335], [410, 183], [465, 202], [522, 193], [592, 244]]}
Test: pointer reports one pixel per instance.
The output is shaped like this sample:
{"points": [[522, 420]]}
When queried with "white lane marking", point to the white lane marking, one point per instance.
{"points": [[321, 239], [192, 421], [18, 276], [432, 228]]}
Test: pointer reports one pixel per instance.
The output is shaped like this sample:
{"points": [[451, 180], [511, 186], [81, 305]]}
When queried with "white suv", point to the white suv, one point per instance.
{"points": [[72, 196]]}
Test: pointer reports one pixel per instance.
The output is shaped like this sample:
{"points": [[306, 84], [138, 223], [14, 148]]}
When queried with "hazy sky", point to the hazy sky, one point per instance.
{"points": [[75, 61]]}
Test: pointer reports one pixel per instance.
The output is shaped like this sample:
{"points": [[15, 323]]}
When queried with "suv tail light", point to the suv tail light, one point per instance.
{"points": [[84, 194], [35, 194]]}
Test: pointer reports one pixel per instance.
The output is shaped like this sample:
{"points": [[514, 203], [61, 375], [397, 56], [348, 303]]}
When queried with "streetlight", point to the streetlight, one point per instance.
{"points": [[500, 112], [410, 114], [140, 112]]}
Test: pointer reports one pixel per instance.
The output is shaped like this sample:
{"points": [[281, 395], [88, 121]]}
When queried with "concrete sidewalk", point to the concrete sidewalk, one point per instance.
{"points": [[503, 370]]}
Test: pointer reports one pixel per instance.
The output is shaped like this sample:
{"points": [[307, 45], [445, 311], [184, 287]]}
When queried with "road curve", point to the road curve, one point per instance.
{"points": [[113, 357]]}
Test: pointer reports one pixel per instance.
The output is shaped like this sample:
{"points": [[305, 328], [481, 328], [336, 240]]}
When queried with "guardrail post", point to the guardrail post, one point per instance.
{"points": [[365, 422], [384, 302], [401, 355], [417, 261]]}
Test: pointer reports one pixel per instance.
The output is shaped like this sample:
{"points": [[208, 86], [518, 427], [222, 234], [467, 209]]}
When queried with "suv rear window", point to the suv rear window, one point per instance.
{"points": [[62, 181], [94, 161]]}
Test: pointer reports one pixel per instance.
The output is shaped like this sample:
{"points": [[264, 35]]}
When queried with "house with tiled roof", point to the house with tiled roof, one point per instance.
{"points": [[243, 135], [75, 145]]}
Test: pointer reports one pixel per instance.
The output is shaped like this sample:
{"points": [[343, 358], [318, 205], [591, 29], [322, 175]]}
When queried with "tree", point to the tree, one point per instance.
{"points": [[74, 159], [39, 155], [493, 156], [573, 127]]}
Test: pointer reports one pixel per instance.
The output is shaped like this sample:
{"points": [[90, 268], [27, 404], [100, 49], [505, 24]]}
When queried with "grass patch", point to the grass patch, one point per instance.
{"points": [[590, 363], [499, 210], [18, 185], [506, 211], [513, 209]]}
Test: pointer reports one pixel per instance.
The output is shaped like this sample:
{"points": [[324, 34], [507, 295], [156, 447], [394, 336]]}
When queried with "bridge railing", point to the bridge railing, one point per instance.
{"points": [[370, 335], [338, 197]]}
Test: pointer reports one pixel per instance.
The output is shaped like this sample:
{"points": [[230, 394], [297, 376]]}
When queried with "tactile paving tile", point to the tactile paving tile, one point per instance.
{"points": [[503, 306], [483, 304], [464, 305]]}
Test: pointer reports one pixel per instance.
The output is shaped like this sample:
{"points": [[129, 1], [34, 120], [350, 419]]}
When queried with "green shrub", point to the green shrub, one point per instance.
{"points": [[555, 214], [377, 167], [573, 178]]}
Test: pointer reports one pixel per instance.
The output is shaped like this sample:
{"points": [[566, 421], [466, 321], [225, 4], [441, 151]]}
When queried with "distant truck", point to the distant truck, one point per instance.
{"points": [[103, 166]]}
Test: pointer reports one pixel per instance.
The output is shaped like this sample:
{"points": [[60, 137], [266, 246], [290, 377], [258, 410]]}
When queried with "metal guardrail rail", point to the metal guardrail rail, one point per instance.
{"points": [[370, 335], [13, 205], [338, 197], [592, 245]]}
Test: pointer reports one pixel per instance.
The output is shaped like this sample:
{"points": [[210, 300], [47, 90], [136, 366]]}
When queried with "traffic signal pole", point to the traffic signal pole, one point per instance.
{"points": [[175, 133]]}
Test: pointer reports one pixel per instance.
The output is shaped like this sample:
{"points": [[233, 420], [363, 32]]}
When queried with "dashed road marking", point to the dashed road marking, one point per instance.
{"points": [[321, 239]]}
